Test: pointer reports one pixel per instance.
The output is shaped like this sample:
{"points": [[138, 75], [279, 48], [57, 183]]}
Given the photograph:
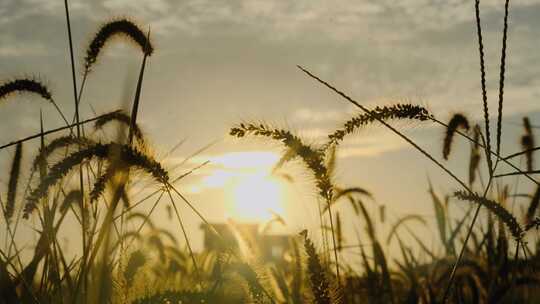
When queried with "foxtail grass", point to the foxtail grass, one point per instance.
{"points": [[533, 206], [483, 82], [27, 85], [339, 232], [392, 112], [100, 184], [136, 260], [72, 197], [120, 117], [126, 154], [256, 289], [313, 158], [474, 159], [501, 76], [457, 121], [59, 143], [48, 132], [527, 143], [317, 277], [122, 28], [14, 174], [495, 208]]}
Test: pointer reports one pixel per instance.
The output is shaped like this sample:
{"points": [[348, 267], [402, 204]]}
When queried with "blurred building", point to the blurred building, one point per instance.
{"points": [[267, 247]]}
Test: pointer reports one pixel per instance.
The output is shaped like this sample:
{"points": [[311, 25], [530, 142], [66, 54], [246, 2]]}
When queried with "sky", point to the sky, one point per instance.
{"points": [[217, 63]]}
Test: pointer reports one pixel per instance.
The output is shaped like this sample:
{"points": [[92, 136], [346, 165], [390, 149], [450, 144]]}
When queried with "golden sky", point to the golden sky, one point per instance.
{"points": [[222, 62]]}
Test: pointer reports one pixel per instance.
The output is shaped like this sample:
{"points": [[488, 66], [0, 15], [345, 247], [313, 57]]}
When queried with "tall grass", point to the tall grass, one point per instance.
{"points": [[84, 179]]}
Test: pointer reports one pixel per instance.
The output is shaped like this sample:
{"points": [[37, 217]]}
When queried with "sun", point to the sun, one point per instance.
{"points": [[256, 196], [252, 193]]}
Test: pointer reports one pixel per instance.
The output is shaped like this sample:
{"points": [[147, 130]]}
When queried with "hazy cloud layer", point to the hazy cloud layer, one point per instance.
{"points": [[221, 62], [243, 54]]}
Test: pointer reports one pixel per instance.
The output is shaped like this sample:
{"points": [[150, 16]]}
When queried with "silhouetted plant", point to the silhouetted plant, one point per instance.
{"points": [[120, 27], [319, 284], [527, 143], [508, 219], [395, 111], [13, 182], [457, 121], [126, 154]]}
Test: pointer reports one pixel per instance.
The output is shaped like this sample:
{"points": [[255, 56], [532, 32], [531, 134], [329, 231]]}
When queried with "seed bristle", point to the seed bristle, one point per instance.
{"points": [[506, 217], [25, 85], [58, 143], [313, 158], [123, 118], [13, 182], [119, 27], [396, 111], [317, 277], [457, 121], [474, 160], [527, 143], [126, 154]]}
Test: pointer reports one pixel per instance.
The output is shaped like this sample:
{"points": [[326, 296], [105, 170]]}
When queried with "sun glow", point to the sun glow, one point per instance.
{"points": [[256, 196], [252, 192]]}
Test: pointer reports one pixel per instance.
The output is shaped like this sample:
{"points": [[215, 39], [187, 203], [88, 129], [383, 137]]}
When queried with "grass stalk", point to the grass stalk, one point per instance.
{"points": [[198, 273], [394, 130], [501, 76], [483, 83], [78, 128], [52, 131], [136, 100], [499, 158]]}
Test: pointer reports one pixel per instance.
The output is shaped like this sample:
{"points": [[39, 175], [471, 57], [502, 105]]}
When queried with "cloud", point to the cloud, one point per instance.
{"points": [[350, 19], [316, 116], [141, 7], [224, 169], [12, 11], [18, 48], [369, 49], [368, 151]]}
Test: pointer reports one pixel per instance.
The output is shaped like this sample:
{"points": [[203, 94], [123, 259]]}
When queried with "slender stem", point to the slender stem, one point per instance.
{"points": [[147, 217], [517, 173], [425, 153], [521, 153], [404, 137], [60, 112], [11, 235], [156, 192], [81, 184], [79, 98], [74, 79], [323, 234], [469, 232], [102, 238], [516, 256], [83, 82], [334, 243], [483, 82], [462, 251], [19, 275], [170, 186], [53, 131], [499, 158], [185, 236], [136, 100], [501, 77]]}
